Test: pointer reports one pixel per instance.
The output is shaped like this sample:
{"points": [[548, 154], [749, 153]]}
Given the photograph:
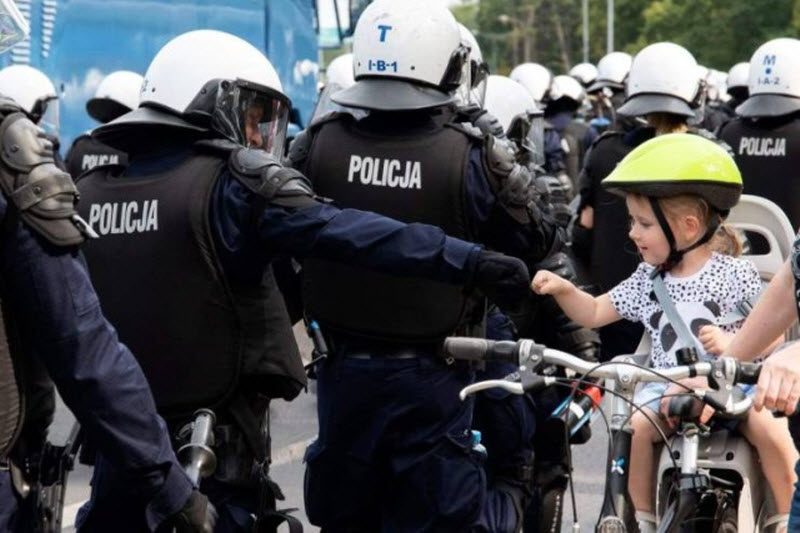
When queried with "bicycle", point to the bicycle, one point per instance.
{"points": [[681, 511]]}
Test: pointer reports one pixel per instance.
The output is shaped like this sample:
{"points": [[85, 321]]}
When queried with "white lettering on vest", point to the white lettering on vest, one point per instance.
{"points": [[90, 161], [758, 146], [124, 217], [385, 172]]}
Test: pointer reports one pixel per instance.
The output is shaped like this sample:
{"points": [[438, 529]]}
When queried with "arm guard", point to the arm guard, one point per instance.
{"points": [[266, 177], [44, 195], [511, 182]]}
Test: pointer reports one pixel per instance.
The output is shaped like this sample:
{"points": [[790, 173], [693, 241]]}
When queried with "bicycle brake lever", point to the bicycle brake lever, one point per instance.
{"points": [[510, 386]]}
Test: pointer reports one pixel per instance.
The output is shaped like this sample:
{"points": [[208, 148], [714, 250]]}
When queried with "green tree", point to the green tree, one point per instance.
{"points": [[718, 33]]}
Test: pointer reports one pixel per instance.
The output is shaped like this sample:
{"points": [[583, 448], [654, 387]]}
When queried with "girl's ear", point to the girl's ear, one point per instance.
{"points": [[692, 227]]}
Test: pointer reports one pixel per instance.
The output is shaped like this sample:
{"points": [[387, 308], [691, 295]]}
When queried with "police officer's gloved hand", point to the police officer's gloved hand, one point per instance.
{"points": [[197, 516], [503, 279]]}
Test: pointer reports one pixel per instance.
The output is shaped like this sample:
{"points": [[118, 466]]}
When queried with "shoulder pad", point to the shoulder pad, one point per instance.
{"points": [[221, 147], [265, 176], [329, 117], [44, 195], [470, 130]]}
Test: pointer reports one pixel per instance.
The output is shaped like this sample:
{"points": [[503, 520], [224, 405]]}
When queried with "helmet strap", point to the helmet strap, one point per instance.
{"points": [[675, 255]]}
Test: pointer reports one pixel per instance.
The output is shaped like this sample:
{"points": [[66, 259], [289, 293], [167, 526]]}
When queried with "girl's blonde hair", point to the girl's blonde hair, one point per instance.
{"points": [[725, 241]]}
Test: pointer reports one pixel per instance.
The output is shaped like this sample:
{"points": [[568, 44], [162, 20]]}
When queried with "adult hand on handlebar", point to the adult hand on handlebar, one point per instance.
{"points": [[197, 515], [779, 384], [546, 282], [503, 279]]}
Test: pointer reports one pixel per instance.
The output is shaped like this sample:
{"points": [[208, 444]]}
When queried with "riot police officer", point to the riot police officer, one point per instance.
{"points": [[35, 93], [585, 73], [565, 97], [766, 136], [187, 234], [116, 95], [608, 92], [52, 324], [394, 450], [663, 87], [536, 79]]}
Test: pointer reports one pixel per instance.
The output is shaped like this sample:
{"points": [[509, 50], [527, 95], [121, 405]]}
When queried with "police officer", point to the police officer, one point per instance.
{"points": [[608, 91], [663, 87], [33, 91], [394, 450], [585, 73], [116, 95], [338, 76], [766, 137], [52, 324], [564, 99], [187, 233], [536, 79]]}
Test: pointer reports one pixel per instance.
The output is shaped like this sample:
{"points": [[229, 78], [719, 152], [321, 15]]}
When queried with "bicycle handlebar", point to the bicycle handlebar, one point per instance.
{"points": [[529, 356]]}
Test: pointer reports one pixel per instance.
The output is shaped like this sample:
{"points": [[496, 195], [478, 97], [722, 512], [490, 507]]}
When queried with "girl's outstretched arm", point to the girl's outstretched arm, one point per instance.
{"points": [[580, 306]]}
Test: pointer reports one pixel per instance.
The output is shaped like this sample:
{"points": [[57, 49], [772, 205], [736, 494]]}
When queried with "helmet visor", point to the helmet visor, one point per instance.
{"points": [[13, 27], [46, 114], [527, 131], [253, 115]]}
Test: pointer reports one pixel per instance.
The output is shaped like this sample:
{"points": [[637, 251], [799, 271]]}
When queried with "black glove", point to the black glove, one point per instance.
{"points": [[197, 516], [504, 280]]}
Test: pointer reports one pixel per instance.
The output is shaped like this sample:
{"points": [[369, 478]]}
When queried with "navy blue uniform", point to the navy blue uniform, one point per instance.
{"points": [[248, 240], [394, 451], [61, 324]]}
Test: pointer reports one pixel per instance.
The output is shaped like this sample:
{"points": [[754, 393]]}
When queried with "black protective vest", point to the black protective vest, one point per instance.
{"points": [[87, 153], [767, 152], [155, 268], [413, 177]]}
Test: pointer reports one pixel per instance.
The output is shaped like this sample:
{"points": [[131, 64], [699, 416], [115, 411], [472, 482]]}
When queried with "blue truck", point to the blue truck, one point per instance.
{"points": [[77, 42]]}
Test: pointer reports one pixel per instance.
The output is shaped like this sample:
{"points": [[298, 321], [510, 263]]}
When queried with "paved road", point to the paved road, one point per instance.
{"points": [[294, 425]]}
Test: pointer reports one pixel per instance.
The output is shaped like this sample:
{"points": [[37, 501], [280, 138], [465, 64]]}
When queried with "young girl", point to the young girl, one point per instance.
{"points": [[678, 188]]}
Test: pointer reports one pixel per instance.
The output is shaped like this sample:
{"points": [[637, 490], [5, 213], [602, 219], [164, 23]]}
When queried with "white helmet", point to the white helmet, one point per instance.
{"points": [[738, 76], [612, 71], [473, 87], [585, 73], [566, 87], [717, 85], [33, 91], [534, 77], [518, 113], [774, 81], [664, 78], [116, 95], [506, 99], [407, 54], [340, 72], [211, 80]]}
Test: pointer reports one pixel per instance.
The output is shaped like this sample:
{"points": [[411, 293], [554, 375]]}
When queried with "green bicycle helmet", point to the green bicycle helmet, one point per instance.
{"points": [[675, 164]]}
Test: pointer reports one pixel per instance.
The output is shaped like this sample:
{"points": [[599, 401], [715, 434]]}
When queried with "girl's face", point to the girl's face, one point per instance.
{"points": [[645, 231]]}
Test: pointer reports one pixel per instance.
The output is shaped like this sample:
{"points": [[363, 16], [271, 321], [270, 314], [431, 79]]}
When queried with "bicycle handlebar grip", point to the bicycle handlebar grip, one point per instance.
{"points": [[466, 348], [473, 349]]}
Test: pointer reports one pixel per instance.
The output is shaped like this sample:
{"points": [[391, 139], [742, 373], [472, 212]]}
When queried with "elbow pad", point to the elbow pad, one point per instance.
{"points": [[44, 195]]}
